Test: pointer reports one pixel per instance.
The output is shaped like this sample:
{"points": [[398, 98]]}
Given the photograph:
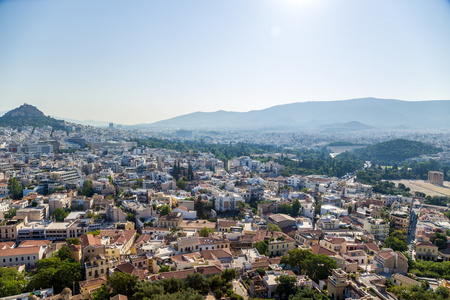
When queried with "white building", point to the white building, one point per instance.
{"points": [[228, 201]]}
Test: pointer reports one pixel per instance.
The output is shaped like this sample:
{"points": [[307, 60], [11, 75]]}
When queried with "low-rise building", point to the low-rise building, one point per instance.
{"points": [[379, 228]]}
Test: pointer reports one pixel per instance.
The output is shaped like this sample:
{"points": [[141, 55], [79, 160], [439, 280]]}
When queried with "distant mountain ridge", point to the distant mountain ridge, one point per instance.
{"points": [[370, 112]]}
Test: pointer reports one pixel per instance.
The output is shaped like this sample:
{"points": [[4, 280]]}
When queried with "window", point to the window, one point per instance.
{"points": [[17, 259], [28, 258], [4, 260]]}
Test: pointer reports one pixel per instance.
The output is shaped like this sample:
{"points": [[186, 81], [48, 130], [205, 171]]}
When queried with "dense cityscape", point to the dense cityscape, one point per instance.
{"points": [[224, 150], [99, 213]]}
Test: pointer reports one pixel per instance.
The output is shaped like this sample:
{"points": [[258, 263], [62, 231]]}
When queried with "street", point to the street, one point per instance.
{"points": [[240, 290]]}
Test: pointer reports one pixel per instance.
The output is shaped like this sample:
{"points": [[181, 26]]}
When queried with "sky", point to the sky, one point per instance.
{"points": [[141, 61]]}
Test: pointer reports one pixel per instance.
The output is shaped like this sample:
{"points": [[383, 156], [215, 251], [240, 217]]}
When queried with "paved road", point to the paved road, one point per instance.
{"points": [[240, 289]]}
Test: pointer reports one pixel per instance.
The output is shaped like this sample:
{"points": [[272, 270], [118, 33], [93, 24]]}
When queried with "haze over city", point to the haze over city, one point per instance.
{"points": [[145, 61]]}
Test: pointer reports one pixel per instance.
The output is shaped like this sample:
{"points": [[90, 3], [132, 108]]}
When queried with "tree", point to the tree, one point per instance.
{"points": [[286, 286], [59, 214], [320, 267], [205, 231], [12, 282], [164, 269], [55, 272], [101, 293], [262, 248], [295, 208], [73, 241], [349, 209], [439, 239], [197, 282], [304, 190], [273, 227], [181, 184], [229, 274], [87, 189], [64, 253], [10, 213], [15, 189], [297, 259], [122, 283], [165, 210], [260, 271], [307, 293], [199, 207]]}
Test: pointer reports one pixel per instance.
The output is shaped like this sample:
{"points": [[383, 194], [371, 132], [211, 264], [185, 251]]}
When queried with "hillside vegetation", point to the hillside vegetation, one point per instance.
{"points": [[395, 151], [16, 122]]}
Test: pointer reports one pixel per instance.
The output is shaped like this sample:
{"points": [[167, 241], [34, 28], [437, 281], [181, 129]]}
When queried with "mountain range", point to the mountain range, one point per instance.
{"points": [[365, 113], [325, 116]]}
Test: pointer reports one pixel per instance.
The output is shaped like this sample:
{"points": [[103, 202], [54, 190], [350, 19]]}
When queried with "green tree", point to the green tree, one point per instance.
{"points": [[59, 214], [262, 248], [307, 293], [55, 272], [64, 253], [181, 184], [197, 282], [320, 267], [199, 207], [439, 239], [87, 189], [15, 189], [228, 274], [205, 231], [165, 210], [122, 283], [273, 227], [12, 282], [10, 213], [73, 241], [101, 293], [295, 208], [286, 286]]}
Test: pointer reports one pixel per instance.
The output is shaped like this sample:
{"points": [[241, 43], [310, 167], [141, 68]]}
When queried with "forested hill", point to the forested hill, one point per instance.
{"points": [[28, 115], [395, 151]]}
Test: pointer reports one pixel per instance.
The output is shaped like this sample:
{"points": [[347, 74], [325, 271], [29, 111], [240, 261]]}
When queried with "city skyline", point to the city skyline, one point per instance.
{"points": [[148, 61]]}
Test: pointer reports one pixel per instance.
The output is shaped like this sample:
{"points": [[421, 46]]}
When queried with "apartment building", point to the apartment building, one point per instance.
{"points": [[21, 256], [228, 202], [379, 228]]}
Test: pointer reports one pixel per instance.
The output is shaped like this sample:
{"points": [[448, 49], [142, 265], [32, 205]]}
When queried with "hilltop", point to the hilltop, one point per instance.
{"points": [[29, 115], [359, 114], [395, 151]]}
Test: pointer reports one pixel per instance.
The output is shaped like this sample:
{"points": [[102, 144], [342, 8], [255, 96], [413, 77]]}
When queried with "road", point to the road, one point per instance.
{"points": [[240, 289]]}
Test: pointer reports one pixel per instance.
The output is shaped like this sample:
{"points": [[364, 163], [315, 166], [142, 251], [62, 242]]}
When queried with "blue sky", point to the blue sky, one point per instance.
{"points": [[142, 61]]}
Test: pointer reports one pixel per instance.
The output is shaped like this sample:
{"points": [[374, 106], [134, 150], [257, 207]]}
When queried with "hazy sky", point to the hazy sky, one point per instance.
{"points": [[143, 61]]}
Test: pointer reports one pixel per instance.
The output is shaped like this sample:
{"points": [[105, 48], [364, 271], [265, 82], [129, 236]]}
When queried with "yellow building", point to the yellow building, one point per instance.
{"points": [[87, 287], [377, 227], [400, 220], [427, 251], [336, 244]]}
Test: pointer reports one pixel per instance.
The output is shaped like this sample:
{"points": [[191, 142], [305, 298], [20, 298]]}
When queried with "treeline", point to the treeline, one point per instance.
{"points": [[320, 162], [389, 188], [307, 162], [395, 151], [34, 121], [223, 152], [408, 170], [191, 289], [431, 269], [437, 200]]}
